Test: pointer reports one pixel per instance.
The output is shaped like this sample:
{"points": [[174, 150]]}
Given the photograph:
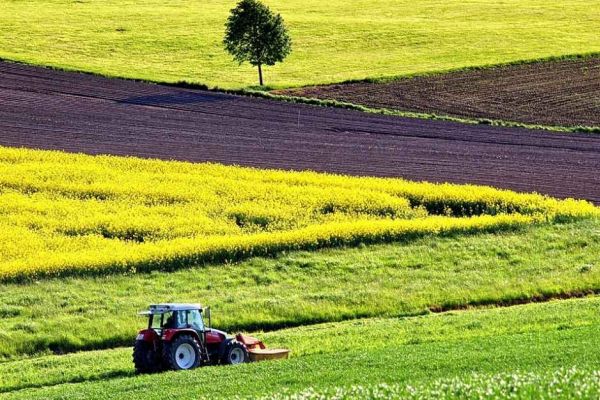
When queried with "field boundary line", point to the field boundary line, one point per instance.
{"points": [[416, 115], [267, 94]]}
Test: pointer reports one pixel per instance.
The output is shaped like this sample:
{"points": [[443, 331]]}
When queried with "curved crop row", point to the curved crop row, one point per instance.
{"points": [[75, 214]]}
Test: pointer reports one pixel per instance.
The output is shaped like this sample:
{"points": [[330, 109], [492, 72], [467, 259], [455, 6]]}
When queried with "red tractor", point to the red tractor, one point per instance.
{"points": [[177, 338]]}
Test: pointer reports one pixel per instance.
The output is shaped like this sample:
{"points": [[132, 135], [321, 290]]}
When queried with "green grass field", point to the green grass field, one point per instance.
{"points": [[301, 288], [333, 41], [564, 383], [363, 315], [534, 338]]}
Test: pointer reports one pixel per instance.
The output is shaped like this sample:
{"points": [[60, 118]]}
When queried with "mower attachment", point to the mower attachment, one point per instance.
{"points": [[258, 351]]}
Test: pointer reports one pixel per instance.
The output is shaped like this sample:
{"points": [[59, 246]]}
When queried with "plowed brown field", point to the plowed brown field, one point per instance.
{"points": [[41, 108], [563, 93]]}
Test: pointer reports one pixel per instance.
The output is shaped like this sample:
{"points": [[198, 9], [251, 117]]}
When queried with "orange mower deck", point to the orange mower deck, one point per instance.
{"points": [[258, 351], [268, 354]]}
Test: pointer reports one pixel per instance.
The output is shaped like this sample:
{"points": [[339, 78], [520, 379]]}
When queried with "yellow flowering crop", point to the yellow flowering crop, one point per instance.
{"points": [[76, 214]]}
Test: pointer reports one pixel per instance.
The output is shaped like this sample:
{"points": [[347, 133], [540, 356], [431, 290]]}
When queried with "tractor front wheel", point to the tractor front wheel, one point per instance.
{"points": [[145, 358], [236, 353], [182, 353]]}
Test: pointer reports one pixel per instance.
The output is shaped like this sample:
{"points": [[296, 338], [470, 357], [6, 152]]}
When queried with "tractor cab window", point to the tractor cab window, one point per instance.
{"points": [[175, 320], [170, 320], [195, 320], [156, 321], [181, 319]]}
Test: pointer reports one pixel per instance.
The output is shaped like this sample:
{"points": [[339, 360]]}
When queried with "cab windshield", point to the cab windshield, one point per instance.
{"points": [[178, 320], [195, 321]]}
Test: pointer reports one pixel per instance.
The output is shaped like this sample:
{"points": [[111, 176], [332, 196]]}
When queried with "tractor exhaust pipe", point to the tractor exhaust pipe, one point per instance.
{"points": [[207, 310]]}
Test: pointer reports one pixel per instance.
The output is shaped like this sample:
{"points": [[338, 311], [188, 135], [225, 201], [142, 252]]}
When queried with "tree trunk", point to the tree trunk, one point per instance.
{"points": [[260, 79]]}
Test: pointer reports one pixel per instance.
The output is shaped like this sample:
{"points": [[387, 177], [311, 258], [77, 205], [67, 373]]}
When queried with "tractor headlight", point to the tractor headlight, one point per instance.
{"points": [[140, 336]]}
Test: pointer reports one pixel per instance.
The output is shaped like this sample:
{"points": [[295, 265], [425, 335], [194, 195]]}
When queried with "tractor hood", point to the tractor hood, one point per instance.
{"points": [[220, 333], [214, 336]]}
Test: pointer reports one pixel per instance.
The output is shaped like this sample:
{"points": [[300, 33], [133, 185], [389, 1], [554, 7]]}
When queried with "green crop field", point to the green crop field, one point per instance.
{"points": [[333, 40], [535, 344]]}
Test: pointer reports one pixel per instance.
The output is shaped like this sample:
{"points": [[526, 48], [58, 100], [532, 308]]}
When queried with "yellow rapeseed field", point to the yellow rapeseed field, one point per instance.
{"points": [[64, 214]]}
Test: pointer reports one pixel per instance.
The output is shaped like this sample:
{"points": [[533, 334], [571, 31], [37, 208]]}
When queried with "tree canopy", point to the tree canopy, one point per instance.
{"points": [[256, 35]]}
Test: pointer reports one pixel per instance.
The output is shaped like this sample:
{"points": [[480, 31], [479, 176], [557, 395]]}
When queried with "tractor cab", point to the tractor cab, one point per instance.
{"points": [[162, 317]]}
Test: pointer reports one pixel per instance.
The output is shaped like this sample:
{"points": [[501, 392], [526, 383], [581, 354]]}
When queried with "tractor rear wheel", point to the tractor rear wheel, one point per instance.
{"points": [[182, 353], [236, 353], [145, 358]]}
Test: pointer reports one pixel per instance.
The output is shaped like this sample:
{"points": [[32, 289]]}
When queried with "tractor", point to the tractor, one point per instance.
{"points": [[179, 338]]}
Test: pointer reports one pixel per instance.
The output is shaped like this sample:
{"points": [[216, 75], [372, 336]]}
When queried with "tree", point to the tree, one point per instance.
{"points": [[257, 35]]}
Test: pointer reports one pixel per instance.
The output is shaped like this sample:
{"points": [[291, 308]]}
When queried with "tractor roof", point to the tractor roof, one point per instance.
{"points": [[168, 307]]}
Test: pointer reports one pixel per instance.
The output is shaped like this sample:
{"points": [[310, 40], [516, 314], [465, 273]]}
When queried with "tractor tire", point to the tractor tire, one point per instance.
{"points": [[182, 353], [145, 358], [236, 353]]}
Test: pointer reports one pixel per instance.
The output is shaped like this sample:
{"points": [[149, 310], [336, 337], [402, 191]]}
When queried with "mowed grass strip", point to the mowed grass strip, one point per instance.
{"points": [[299, 288], [65, 214], [333, 41], [414, 350]]}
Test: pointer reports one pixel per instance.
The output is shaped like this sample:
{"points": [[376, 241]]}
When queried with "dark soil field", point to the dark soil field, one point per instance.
{"points": [[560, 93], [41, 108]]}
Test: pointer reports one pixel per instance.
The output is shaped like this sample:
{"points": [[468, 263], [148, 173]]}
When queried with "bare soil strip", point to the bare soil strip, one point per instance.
{"points": [[47, 109], [558, 93]]}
